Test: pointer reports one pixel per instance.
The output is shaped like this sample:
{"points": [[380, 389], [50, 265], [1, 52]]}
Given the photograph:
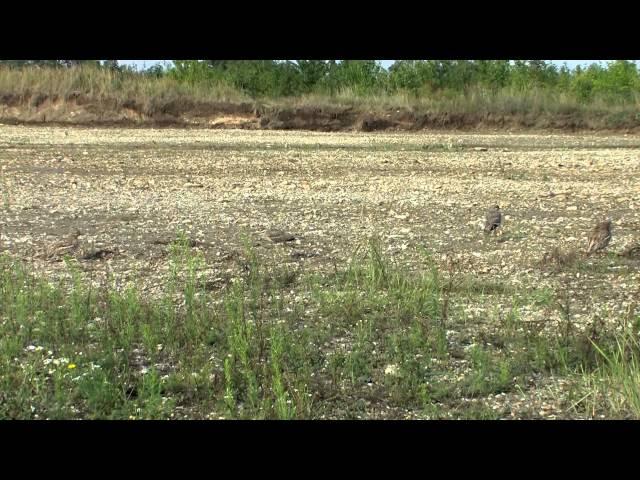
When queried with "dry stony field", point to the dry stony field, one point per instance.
{"points": [[389, 303]]}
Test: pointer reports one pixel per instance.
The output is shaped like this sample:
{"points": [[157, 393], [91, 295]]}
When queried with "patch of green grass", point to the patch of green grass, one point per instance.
{"points": [[283, 344], [473, 285], [477, 411], [612, 388], [490, 374]]}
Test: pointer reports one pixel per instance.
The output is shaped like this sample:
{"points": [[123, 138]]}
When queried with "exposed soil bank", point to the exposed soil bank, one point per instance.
{"points": [[80, 110]]}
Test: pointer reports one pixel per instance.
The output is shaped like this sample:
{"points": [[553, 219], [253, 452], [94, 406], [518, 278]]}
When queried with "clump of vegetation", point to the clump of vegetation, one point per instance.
{"points": [[535, 91], [368, 338], [559, 258]]}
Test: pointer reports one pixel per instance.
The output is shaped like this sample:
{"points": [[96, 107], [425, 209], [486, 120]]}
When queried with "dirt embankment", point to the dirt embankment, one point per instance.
{"points": [[81, 110]]}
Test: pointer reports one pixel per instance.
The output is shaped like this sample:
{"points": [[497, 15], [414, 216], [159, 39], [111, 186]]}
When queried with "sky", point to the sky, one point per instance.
{"points": [[141, 64]]}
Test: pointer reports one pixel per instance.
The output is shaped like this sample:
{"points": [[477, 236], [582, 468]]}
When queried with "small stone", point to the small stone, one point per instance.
{"points": [[280, 236], [391, 370]]}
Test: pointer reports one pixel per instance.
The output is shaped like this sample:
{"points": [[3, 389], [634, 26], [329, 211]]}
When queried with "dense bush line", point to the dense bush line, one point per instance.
{"points": [[616, 82]]}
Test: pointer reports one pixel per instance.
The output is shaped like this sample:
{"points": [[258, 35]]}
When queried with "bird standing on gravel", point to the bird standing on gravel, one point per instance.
{"points": [[599, 237], [494, 220], [63, 247]]}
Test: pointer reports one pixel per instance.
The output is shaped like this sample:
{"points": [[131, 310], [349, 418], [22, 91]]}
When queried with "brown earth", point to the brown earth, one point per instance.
{"points": [[80, 110]]}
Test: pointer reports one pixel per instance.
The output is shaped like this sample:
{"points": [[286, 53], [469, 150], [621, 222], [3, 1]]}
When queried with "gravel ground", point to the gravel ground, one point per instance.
{"points": [[128, 191]]}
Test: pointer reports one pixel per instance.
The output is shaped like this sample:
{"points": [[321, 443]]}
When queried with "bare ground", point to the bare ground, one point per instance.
{"points": [[128, 191]]}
